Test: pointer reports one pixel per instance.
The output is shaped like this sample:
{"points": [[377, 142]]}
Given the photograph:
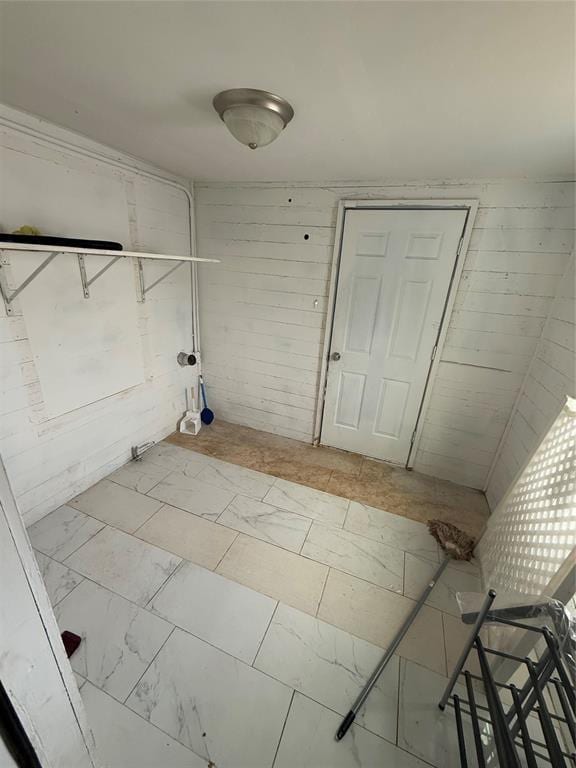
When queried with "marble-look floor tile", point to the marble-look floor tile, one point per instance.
{"points": [[394, 530], [443, 597], [119, 639], [222, 612], [356, 555], [63, 531], [275, 572], [308, 742], [265, 522], [330, 666], [174, 458], [423, 730], [222, 709], [187, 535], [308, 502], [236, 479], [118, 506], [376, 614], [180, 490], [139, 476], [124, 564], [125, 740], [58, 579]]}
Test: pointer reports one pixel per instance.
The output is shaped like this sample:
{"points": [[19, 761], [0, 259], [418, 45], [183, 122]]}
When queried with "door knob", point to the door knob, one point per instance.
{"points": [[335, 356]]}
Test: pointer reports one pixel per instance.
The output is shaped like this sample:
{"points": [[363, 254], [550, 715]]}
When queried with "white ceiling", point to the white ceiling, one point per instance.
{"points": [[399, 90]]}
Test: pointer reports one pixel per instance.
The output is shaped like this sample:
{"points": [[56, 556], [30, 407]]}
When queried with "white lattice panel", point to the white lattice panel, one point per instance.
{"points": [[533, 531]]}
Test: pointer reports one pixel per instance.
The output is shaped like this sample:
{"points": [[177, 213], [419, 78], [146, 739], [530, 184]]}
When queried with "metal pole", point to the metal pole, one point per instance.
{"points": [[486, 605], [373, 679], [474, 718]]}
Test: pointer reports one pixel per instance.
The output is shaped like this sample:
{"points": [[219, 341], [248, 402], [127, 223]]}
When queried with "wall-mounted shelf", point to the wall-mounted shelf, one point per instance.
{"points": [[53, 251]]}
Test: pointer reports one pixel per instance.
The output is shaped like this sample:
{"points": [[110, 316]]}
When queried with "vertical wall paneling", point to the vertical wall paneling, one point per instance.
{"points": [[264, 309], [64, 189]]}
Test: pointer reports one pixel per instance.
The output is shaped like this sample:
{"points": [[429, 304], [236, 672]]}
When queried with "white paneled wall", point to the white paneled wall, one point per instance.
{"points": [[264, 313], [49, 460], [550, 378]]}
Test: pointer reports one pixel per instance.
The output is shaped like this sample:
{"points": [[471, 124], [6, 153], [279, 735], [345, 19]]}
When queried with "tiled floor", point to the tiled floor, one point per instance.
{"points": [[229, 618], [409, 494]]}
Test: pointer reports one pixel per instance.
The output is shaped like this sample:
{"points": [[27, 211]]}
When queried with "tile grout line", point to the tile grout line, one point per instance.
{"points": [[346, 515], [215, 569], [264, 635], [283, 728], [63, 562], [322, 593], [233, 499], [74, 588], [166, 580], [305, 538], [152, 660]]}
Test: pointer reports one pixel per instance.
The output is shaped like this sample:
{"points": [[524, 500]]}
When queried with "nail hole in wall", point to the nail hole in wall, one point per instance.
{"points": [[306, 236], [289, 199]]}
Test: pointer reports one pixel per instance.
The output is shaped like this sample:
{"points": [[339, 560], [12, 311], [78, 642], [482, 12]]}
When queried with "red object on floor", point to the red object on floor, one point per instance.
{"points": [[71, 642]]}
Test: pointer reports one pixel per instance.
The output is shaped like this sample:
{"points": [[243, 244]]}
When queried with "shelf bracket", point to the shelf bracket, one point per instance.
{"points": [[143, 288], [8, 295], [140, 280], [99, 273], [83, 277]]}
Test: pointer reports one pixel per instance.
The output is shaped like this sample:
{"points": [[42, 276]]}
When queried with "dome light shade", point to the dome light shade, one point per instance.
{"points": [[255, 118]]}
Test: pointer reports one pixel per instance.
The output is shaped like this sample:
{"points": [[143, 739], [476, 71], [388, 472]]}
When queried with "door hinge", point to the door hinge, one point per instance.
{"points": [[413, 438], [433, 355]]}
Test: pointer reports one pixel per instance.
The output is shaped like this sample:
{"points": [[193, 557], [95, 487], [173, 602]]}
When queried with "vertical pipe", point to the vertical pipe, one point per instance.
{"points": [[545, 720], [504, 743], [474, 716], [460, 731], [526, 740]]}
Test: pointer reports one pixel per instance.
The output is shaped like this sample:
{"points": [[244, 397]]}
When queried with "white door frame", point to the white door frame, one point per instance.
{"points": [[471, 206]]}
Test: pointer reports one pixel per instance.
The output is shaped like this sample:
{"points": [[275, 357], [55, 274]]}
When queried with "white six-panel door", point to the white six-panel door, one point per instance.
{"points": [[393, 281]]}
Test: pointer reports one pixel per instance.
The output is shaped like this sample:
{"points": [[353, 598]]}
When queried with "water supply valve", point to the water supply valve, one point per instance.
{"points": [[186, 358]]}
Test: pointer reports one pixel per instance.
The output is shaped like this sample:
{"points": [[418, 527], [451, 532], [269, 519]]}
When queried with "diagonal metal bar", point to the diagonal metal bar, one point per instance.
{"points": [[163, 277], [9, 299], [104, 269]]}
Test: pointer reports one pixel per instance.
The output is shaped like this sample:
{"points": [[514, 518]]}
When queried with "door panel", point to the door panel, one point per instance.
{"points": [[395, 272], [362, 314]]}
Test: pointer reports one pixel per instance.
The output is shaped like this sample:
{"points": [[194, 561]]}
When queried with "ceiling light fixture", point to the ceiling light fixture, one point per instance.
{"points": [[253, 117]]}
